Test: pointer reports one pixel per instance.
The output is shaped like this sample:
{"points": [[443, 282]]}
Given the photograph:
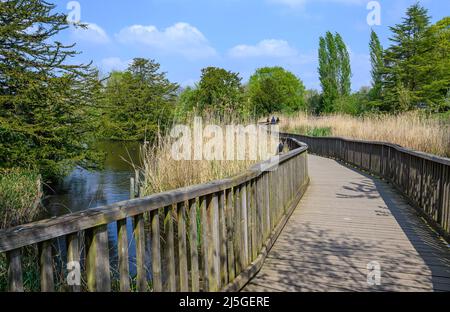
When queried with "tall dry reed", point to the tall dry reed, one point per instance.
{"points": [[163, 173], [412, 130]]}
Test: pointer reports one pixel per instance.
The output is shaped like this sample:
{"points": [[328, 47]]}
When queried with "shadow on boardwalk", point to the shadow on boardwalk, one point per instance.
{"points": [[346, 221]]}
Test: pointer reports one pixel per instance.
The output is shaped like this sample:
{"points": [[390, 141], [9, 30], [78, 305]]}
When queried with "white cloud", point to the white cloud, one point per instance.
{"points": [[93, 34], [180, 38], [265, 48], [114, 63], [302, 3]]}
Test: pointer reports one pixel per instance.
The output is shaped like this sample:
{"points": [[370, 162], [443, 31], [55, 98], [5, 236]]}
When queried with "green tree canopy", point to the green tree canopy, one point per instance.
{"points": [[334, 70], [400, 75], [377, 61], [274, 89], [138, 102], [219, 92], [44, 99], [433, 67]]}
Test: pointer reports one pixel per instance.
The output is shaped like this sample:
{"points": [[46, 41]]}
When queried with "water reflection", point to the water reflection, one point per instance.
{"points": [[83, 189]]}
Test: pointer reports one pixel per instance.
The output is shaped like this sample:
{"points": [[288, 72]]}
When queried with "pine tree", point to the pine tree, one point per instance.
{"points": [[44, 100], [433, 67], [376, 58], [139, 102], [400, 79]]}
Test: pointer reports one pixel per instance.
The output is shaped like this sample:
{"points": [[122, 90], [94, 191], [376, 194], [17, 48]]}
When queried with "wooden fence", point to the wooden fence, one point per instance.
{"points": [[424, 179], [208, 237]]}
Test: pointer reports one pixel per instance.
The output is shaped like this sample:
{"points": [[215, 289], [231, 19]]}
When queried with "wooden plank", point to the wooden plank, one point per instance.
{"points": [[230, 234], [122, 253], [244, 246], [73, 260], [204, 202], [223, 239], [214, 243], [139, 237], [46, 267], [156, 251], [193, 244], [254, 225], [15, 276], [169, 250], [347, 220], [182, 247], [97, 260], [237, 238]]}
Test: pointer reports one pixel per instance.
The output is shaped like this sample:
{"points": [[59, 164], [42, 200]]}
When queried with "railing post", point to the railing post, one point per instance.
{"points": [[46, 265], [15, 278], [193, 241]]}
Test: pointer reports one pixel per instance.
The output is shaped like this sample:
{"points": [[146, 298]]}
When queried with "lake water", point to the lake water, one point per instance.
{"points": [[83, 189]]}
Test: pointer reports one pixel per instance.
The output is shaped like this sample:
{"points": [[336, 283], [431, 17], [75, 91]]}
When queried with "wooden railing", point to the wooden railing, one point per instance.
{"points": [[208, 237], [424, 179]]}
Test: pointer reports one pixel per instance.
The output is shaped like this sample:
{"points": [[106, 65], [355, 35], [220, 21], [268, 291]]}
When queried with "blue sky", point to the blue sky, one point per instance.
{"points": [[186, 35]]}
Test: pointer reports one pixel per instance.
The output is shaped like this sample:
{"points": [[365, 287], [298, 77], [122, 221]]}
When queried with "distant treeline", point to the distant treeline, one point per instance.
{"points": [[51, 110]]}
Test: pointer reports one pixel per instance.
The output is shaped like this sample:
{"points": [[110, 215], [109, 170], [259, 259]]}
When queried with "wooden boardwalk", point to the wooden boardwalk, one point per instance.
{"points": [[345, 221]]}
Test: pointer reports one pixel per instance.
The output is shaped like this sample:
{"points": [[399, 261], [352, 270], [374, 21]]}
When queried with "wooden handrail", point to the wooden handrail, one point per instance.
{"points": [[238, 219], [424, 179]]}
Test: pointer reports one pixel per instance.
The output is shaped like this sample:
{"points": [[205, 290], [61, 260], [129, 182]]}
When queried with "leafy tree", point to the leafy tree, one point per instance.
{"points": [[401, 63], [354, 104], [313, 101], [377, 61], [187, 102], [219, 92], [274, 89], [433, 67], [44, 99], [344, 67], [138, 102], [334, 70]]}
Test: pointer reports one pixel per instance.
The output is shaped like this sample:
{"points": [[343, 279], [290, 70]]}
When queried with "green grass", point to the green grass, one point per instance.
{"points": [[314, 131], [20, 194]]}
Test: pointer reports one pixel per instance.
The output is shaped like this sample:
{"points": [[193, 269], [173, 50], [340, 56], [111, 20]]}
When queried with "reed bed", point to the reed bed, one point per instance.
{"points": [[163, 173], [412, 130]]}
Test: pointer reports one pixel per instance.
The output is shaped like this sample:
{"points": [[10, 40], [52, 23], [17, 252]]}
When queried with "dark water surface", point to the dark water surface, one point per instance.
{"points": [[84, 189]]}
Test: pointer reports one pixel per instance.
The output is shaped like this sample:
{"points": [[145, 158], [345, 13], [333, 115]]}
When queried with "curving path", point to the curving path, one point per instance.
{"points": [[345, 221]]}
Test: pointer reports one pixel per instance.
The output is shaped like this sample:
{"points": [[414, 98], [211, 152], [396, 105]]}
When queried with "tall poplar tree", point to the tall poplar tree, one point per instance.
{"points": [[344, 71], [377, 62], [334, 70]]}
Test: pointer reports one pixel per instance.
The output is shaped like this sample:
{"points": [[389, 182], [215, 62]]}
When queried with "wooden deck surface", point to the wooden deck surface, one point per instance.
{"points": [[345, 221]]}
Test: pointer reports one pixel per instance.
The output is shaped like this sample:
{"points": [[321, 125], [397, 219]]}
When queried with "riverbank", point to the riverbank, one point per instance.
{"points": [[20, 196]]}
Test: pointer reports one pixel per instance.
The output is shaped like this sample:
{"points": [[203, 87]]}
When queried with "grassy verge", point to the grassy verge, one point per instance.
{"points": [[20, 195]]}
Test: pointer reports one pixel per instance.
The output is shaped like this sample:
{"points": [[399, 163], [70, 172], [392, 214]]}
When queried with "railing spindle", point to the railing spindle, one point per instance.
{"points": [[73, 260], [122, 253], [15, 278], [46, 265], [182, 247], [139, 236], [156, 251], [193, 244]]}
